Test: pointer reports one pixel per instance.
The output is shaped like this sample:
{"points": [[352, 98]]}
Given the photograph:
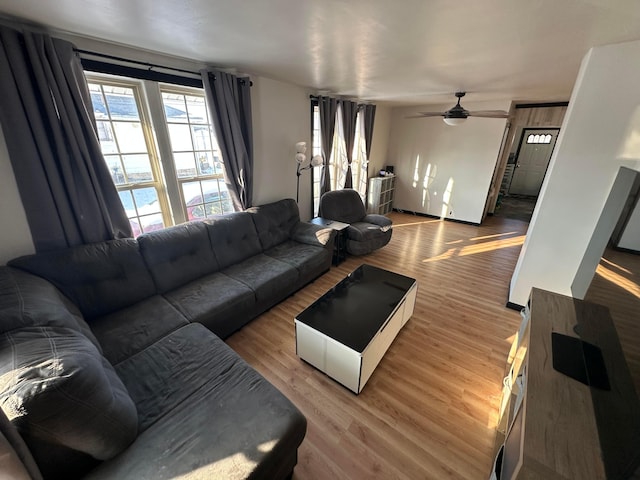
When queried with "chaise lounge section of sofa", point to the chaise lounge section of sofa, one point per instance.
{"points": [[112, 363]]}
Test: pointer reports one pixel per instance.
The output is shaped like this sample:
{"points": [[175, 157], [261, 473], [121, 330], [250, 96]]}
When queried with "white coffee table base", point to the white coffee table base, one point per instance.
{"points": [[352, 369]]}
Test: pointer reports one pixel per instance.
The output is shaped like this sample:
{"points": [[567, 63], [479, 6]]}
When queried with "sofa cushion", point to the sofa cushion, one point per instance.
{"points": [[162, 376], [132, 329], [271, 280], [99, 278], [219, 302], [310, 261], [275, 221], [30, 301], [342, 205], [177, 255], [361, 231], [215, 417], [64, 398], [233, 238]]}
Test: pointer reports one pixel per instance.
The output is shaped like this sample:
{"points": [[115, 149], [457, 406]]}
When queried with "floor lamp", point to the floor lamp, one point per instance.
{"points": [[301, 160]]}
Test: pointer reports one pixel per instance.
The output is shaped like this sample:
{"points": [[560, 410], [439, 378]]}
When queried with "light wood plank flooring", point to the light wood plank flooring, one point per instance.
{"points": [[429, 409]]}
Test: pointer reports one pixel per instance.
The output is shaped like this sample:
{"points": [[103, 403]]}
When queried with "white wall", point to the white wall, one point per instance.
{"points": [[15, 237], [600, 133], [443, 170], [281, 117], [380, 142]]}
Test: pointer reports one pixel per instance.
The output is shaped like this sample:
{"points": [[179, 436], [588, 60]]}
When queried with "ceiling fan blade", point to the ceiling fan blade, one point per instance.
{"points": [[489, 114], [431, 114]]}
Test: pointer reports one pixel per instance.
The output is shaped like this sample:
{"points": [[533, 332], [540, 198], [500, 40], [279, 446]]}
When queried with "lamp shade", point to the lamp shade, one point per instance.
{"points": [[301, 147], [454, 121], [316, 160], [300, 158]]}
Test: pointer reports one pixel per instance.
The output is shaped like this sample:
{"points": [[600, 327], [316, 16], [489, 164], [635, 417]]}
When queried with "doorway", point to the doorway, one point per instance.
{"points": [[524, 173], [531, 161]]}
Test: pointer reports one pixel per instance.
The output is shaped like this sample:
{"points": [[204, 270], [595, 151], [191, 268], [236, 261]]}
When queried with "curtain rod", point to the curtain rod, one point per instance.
{"points": [[136, 62], [360, 103], [145, 64]]}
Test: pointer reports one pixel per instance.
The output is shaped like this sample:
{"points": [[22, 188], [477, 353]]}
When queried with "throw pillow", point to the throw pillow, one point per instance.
{"points": [[64, 397]]}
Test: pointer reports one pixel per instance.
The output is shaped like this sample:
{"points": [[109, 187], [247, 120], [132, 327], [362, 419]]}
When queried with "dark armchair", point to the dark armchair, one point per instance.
{"points": [[365, 233]]}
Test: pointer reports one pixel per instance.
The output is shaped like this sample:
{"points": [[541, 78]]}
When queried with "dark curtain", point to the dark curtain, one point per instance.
{"points": [[369, 112], [349, 118], [328, 107], [47, 119], [229, 99]]}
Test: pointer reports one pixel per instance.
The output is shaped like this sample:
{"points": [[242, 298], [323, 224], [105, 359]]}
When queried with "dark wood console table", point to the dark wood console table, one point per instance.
{"points": [[552, 426]]}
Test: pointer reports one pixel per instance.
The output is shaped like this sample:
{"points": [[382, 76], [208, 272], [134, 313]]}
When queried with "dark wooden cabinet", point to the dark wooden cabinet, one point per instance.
{"points": [[552, 426]]}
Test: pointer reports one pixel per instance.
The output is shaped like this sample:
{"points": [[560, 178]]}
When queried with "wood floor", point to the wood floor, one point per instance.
{"points": [[429, 409]]}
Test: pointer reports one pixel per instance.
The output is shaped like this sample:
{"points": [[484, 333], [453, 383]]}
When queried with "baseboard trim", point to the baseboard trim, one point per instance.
{"points": [[627, 250], [427, 215], [514, 306]]}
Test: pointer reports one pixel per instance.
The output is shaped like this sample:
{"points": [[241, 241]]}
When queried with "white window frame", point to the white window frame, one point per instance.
{"points": [[152, 114], [137, 87]]}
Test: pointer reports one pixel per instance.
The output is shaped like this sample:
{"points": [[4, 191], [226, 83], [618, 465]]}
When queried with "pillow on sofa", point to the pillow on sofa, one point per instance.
{"points": [[65, 399]]}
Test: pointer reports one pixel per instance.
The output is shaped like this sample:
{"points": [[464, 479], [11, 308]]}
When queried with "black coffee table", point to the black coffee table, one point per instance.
{"points": [[346, 332]]}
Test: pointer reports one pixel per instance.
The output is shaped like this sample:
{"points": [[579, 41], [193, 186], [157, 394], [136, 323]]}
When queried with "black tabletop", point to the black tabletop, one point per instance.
{"points": [[355, 309]]}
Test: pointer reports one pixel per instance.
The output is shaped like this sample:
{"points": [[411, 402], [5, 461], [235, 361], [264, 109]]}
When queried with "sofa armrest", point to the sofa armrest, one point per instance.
{"points": [[313, 235], [379, 220]]}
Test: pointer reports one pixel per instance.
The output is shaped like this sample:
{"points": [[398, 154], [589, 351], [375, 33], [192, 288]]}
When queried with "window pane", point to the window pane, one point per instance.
{"points": [[127, 202], [193, 200], [97, 100], [117, 173], [149, 223], [174, 107], [105, 135], [146, 200], [205, 163], [121, 103], [197, 109], [130, 137], [185, 166], [180, 137], [201, 137], [227, 206], [210, 191], [138, 168]]}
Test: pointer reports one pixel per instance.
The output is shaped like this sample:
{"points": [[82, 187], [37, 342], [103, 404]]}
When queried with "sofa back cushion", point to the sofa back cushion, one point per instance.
{"points": [[275, 221], [64, 398], [342, 205], [30, 301], [178, 255], [99, 277], [233, 238]]}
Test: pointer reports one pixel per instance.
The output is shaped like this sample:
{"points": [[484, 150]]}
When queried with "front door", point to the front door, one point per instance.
{"points": [[534, 153]]}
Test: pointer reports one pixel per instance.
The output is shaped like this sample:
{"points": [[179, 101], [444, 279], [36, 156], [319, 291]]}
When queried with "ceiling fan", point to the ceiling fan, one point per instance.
{"points": [[458, 114]]}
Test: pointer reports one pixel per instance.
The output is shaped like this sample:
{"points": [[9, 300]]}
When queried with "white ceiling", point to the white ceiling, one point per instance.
{"points": [[402, 51]]}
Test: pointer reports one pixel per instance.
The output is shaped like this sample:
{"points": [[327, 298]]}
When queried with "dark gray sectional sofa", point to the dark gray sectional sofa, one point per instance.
{"points": [[107, 369]]}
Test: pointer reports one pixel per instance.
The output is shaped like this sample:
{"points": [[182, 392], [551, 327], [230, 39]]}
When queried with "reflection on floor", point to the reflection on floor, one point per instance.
{"points": [[517, 207]]}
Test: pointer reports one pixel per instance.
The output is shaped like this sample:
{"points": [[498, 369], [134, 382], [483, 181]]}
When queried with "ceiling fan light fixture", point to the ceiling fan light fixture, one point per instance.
{"points": [[453, 121]]}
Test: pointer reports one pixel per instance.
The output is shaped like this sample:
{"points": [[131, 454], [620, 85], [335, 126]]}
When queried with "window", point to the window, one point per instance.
{"points": [[129, 153], [196, 155], [539, 138], [338, 159], [186, 182], [316, 150]]}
